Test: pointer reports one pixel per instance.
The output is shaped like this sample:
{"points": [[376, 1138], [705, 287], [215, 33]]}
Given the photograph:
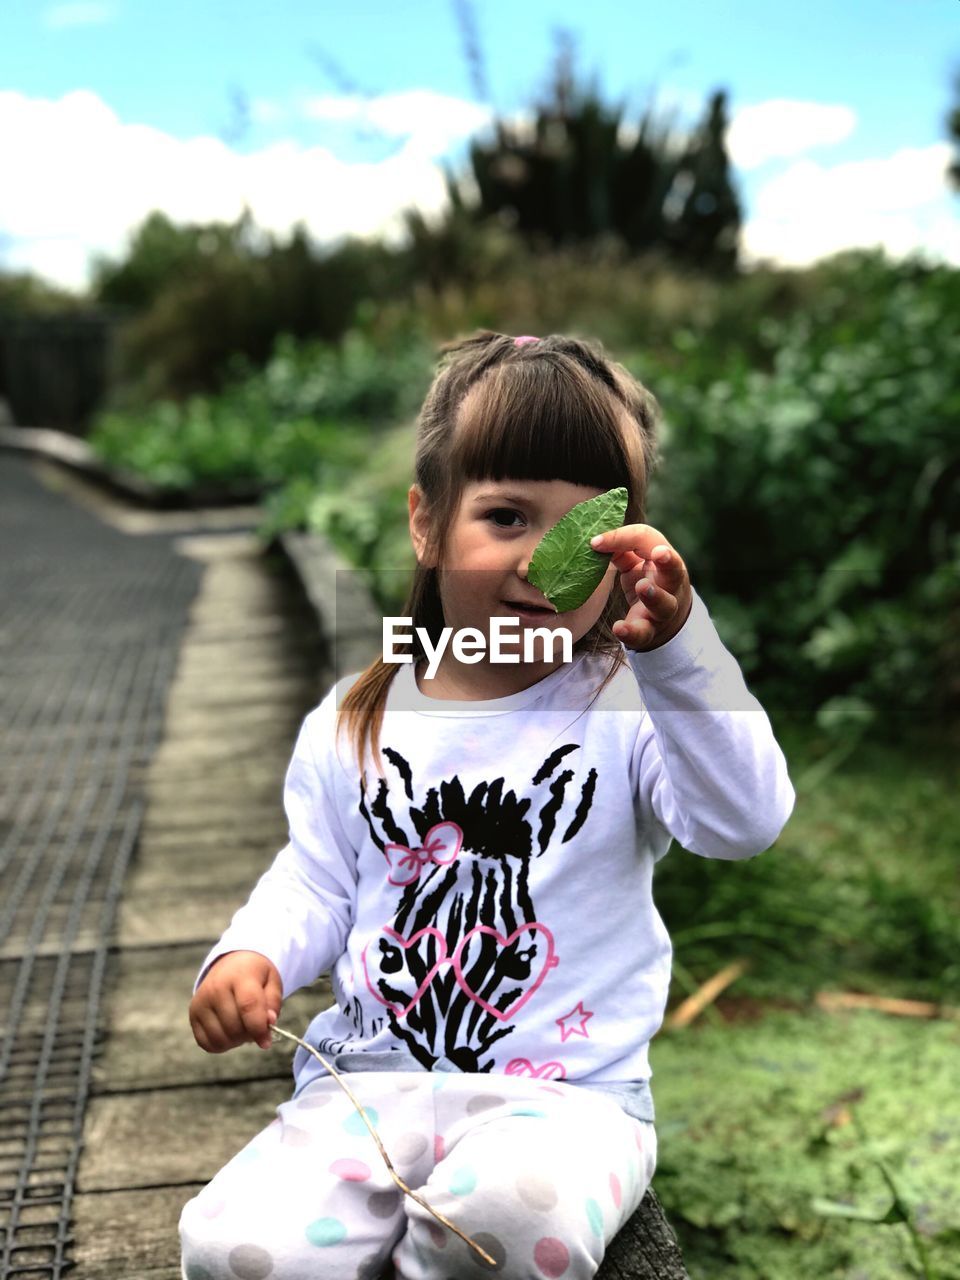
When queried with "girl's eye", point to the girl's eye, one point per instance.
{"points": [[508, 511]]}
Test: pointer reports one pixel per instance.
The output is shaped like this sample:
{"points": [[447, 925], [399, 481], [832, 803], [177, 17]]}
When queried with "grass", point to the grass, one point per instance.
{"points": [[772, 1132], [796, 1143]]}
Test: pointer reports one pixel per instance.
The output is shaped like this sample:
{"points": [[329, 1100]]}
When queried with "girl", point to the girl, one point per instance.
{"points": [[476, 873]]}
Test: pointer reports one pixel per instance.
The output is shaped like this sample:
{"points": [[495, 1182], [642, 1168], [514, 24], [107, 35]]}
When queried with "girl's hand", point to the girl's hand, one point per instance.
{"points": [[237, 1002], [653, 574]]}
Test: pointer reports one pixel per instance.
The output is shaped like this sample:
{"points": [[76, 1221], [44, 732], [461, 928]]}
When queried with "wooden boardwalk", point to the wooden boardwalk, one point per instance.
{"points": [[164, 1115]]}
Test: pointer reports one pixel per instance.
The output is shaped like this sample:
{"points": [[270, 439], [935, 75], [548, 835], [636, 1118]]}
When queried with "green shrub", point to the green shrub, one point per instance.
{"points": [[198, 294], [817, 504], [363, 514], [310, 417]]}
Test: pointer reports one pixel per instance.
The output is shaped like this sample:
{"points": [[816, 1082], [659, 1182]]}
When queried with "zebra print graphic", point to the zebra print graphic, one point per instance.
{"points": [[464, 950]]}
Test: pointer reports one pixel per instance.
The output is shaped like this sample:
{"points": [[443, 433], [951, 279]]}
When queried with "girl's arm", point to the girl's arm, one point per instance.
{"points": [[705, 762], [301, 909]]}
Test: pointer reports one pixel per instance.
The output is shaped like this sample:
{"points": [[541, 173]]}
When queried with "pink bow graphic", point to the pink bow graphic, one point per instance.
{"points": [[441, 846]]}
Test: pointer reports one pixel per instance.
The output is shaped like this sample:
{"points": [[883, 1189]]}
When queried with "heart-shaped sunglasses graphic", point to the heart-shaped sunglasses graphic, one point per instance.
{"points": [[549, 961]]}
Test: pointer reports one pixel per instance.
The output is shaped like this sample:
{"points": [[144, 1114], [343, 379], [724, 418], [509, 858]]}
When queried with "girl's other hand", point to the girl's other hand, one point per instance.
{"points": [[237, 1002], [653, 574]]}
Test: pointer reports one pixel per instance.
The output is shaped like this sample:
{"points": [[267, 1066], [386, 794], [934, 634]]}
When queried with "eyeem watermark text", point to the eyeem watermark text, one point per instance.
{"points": [[470, 644]]}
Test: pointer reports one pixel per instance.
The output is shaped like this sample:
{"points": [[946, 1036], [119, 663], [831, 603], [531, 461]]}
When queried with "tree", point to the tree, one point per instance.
{"points": [[706, 227], [200, 294], [577, 175], [160, 252]]}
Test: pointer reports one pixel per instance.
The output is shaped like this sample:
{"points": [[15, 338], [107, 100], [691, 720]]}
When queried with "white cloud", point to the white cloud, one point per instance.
{"points": [[900, 201], [59, 259], [910, 177], [785, 127], [77, 15], [79, 179], [430, 121]]}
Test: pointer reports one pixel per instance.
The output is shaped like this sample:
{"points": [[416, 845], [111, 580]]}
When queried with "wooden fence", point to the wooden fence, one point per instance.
{"points": [[55, 369]]}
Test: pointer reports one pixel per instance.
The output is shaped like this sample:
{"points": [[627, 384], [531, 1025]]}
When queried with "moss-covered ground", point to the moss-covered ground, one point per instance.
{"points": [[771, 1131], [799, 1143]]}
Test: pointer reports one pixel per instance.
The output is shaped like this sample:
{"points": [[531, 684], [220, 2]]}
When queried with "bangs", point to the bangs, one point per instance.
{"points": [[543, 419]]}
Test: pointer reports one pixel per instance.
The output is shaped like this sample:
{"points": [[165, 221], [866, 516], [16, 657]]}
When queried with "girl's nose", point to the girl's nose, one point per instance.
{"points": [[526, 555]]}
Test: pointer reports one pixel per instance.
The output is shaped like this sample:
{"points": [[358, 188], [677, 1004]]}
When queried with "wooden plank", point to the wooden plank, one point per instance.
{"points": [[219, 628], [164, 1116], [191, 720], [173, 1135], [162, 917], [260, 652], [182, 867], [220, 746], [150, 1044], [265, 687], [123, 1234], [225, 822], [224, 830], [220, 790], [208, 842], [260, 781]]}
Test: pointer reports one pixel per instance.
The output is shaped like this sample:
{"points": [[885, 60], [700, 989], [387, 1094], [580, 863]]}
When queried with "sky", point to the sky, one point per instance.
{"points": [[338, 115]]}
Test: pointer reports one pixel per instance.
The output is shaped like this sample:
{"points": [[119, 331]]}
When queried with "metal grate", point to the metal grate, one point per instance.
{"points": [[90, 627]]}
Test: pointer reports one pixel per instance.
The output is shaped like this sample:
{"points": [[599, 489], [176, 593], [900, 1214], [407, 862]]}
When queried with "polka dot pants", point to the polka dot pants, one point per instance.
{"points": [[541, 1175]]}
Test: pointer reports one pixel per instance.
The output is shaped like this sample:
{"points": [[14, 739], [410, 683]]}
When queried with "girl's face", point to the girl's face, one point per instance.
{"points": [[494, 534]]}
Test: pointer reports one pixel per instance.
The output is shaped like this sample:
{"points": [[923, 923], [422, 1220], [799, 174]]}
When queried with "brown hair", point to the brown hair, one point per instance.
{"points": [[556, 408]]}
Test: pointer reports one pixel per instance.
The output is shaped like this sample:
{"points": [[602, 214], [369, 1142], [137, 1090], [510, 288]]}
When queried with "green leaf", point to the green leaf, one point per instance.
{"points": [[564, 566]]}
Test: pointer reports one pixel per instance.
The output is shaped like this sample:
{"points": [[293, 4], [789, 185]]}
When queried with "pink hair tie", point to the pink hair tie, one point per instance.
{"points": [[527, 337]]}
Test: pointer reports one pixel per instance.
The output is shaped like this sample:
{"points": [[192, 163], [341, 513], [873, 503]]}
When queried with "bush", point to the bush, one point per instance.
{"points": [[817, 504], [199, 295], [363, 514], [310, 417]]}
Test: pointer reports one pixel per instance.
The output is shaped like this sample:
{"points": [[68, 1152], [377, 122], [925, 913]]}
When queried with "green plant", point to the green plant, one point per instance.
{"points": [[817, 503], [903, 1203], [312, 415], [758, 1134], [859, 890]]}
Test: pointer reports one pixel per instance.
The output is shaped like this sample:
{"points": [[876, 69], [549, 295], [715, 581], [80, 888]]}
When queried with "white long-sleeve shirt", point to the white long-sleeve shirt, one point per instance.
{"points": [[487, 904]]}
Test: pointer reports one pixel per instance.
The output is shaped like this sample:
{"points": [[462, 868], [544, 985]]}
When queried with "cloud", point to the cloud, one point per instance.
{"points": [[900, 201], [77, 15], [78, 179], [784, 127], [431, 122]]}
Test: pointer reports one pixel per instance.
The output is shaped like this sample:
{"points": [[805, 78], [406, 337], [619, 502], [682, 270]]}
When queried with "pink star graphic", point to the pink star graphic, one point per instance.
{"points": [[579, 1012]]}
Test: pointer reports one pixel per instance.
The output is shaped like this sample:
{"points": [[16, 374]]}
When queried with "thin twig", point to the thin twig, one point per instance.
{"points": [[688, 982], [279, 1031], [833, 1000], [705, 995]]}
